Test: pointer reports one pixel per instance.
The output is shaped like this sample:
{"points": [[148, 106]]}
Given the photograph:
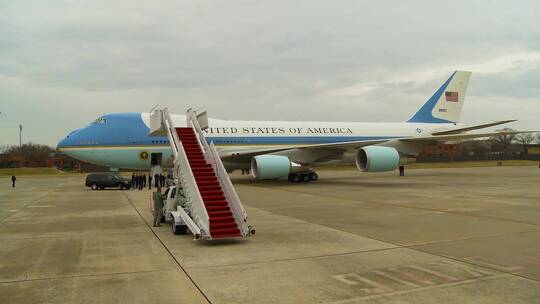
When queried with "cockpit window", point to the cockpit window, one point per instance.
{"points": [[100, 120]]}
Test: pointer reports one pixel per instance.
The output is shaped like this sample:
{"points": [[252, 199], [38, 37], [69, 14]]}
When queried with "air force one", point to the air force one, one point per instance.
{"points": [[281, 149]]}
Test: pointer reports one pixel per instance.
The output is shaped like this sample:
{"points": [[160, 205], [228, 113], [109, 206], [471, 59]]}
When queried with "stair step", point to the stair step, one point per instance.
{"points": [[211, 192], [206, 183], [219, 214], [217, 208], [213, 198], [226, 236], [216, 203], [221, 219], [214, 226], [197, 158], [206, 177], [224, 231], [200, 166], [209, 186], [203, 172]]}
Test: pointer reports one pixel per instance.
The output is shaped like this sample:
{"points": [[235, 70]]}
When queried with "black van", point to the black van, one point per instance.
{"points": [[107, 180]]}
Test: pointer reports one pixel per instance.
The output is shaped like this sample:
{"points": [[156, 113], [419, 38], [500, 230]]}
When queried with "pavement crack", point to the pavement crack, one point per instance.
{"points": [[167, 249]]}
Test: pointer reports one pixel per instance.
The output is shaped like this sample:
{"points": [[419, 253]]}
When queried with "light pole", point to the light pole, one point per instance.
{"points": [[20, 135]]}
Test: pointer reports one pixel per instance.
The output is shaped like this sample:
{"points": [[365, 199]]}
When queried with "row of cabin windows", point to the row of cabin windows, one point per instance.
{"points": [[227, 141], [160, 141]]}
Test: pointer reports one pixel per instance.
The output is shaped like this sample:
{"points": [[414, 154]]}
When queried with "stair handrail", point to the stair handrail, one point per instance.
{"points": [[240, 214], [187, 179], [212, 156], [192, 120]]}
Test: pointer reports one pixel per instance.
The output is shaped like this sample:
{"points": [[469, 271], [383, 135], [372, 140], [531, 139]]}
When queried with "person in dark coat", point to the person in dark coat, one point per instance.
{"points": [[156, 180], [162, 180], [401, 170], [143, 180], [135, 181], [13, 179], [149, 180], [132, 180]]}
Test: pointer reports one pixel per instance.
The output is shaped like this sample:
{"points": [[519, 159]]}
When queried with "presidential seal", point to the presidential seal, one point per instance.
{"points": [[143, 155]]}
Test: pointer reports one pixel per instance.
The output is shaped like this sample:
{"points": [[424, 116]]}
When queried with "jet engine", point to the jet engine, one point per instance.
{"points": [[271, 166], [377, 159]]}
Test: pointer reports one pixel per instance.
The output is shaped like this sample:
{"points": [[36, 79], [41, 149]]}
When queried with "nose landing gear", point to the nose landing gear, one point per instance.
{"points": [[303, 177]]}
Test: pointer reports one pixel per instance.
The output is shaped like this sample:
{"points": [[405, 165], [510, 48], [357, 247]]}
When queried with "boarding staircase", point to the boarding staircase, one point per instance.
{"points": [[212, 209]]}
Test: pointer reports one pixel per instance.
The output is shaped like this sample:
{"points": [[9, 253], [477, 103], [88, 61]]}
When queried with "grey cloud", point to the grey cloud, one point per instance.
{"points": [[253, 59]]}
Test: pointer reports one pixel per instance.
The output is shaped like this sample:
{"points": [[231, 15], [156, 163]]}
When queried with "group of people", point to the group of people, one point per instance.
{"points": [[139, 180]]}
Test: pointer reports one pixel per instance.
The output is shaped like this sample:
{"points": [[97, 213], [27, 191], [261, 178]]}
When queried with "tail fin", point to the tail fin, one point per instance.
{"points": [[445, 105]]}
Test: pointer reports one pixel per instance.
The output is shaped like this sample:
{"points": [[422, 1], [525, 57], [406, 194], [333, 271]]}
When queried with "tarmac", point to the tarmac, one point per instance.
{"points": [[468, 235]]}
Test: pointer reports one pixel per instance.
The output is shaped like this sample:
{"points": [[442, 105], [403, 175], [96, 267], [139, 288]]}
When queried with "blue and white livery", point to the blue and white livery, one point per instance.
{"points": [[121, 140]]}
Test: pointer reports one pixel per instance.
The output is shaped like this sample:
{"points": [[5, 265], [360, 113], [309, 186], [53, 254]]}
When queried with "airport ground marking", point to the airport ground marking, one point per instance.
{"points": [[412, 276], [411, 247], [425, 288]]}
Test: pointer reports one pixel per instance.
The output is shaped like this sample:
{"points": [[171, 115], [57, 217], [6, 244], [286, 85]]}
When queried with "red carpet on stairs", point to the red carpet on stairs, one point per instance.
{"points": [[222, 223]]}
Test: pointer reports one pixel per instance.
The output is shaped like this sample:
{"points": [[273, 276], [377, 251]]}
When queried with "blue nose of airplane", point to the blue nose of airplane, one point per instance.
{"points": [[68, 141]]}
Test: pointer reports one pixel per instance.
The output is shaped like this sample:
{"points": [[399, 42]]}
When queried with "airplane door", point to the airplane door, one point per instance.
{"points": [[155, 159]]}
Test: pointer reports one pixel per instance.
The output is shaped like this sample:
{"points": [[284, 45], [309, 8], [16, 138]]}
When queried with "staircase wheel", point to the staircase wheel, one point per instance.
{"points": [[313, 176], [305, 178], [178, 229]]}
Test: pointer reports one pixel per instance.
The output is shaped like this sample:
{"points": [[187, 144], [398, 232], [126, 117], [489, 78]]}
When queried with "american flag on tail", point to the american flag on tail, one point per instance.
{"points": [[452, 96]]}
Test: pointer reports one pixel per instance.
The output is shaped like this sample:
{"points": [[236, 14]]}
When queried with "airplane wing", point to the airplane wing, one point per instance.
{"points": [[337, 149], [475, 127], [245, 155]]}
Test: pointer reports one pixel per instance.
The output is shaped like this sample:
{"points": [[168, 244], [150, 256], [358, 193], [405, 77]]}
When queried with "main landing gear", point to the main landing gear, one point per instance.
{"points": [[303, 177]]}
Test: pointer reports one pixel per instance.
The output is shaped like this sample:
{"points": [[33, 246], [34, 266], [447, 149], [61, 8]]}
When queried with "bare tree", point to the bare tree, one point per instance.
{"points": [[525, 138], [35, 152], [504, 140]]}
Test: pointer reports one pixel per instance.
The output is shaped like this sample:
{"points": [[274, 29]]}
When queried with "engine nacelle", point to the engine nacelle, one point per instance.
{"points": [[270, 166], [377, 159]]}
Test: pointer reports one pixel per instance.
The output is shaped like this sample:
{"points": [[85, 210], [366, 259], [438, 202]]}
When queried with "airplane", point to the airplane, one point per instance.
{"points": [[285, 149]]}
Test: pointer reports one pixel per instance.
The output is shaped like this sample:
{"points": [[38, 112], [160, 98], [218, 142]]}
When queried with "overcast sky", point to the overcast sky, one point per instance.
{"points": [[64, 63]]}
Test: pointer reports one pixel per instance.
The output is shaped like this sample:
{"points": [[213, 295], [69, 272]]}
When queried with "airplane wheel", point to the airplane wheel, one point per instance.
{"points": [[294, 178], [305, 178], [313, 176]]}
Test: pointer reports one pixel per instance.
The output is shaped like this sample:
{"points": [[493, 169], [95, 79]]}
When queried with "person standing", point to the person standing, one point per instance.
{"points": [[158, 207], [401, 170], [13, 179], [136, 181], [144, 180], [140, 181], [156, 180], [133, 180], [162, 180], [150, 181]]}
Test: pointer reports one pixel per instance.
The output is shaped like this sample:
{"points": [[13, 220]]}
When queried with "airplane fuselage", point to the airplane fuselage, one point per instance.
{"points": [[122, 141]]}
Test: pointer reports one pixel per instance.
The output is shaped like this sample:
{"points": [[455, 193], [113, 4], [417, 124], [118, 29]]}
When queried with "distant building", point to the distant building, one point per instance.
{"points": [[444, 150], [532, 149], [57, 160]]}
